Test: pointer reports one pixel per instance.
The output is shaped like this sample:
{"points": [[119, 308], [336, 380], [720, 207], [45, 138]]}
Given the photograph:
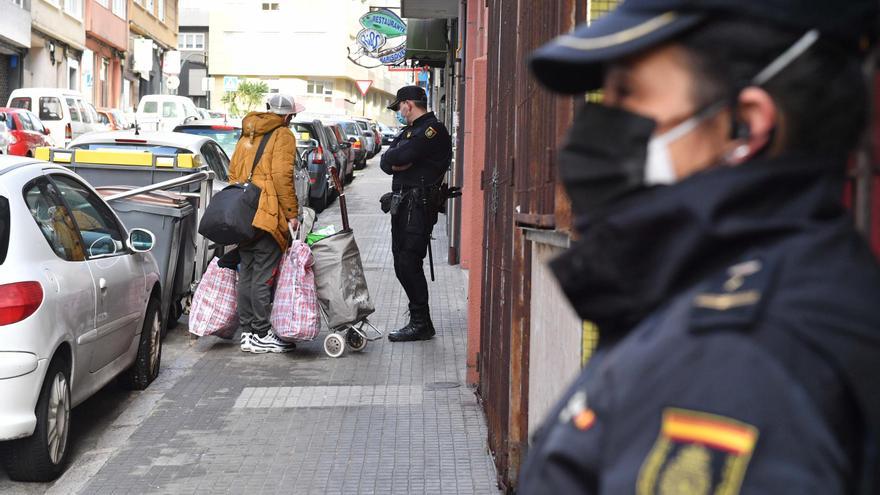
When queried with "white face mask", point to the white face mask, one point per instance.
{"points": [[659, 169]]}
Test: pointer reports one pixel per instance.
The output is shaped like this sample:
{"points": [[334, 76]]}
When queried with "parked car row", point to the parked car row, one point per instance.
{"points": [[64, 112]]}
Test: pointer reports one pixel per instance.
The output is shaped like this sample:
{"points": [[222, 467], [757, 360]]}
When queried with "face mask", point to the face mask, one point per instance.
{"points": [[604, 156], [401, 118]]}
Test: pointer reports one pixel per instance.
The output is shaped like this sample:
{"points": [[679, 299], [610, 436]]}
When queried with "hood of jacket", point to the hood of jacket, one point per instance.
{"points": [[255, 124]]}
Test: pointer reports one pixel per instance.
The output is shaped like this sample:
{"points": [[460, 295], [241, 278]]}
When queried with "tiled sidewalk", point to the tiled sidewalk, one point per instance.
{"points": [[395, 418]]}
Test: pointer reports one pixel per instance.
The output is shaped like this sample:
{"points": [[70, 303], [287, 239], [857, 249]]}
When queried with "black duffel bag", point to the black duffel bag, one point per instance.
{"points": [[230, 215]]}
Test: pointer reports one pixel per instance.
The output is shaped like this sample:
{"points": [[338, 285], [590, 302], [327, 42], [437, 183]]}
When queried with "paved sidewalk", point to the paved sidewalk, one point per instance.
{"points": [[395, 418]]}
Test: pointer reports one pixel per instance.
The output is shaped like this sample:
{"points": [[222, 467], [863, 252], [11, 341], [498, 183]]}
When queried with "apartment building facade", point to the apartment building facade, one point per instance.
{"points": [[106, 26], [152, 34], [298, 47]]}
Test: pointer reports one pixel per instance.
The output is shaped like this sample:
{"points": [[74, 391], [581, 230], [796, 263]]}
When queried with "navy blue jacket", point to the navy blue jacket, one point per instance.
{"points": [[739, 314], [426, 145]]}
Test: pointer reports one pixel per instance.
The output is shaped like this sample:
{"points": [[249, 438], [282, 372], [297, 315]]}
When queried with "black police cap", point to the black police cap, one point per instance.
{"points": [[572, 63], [408, 93]]}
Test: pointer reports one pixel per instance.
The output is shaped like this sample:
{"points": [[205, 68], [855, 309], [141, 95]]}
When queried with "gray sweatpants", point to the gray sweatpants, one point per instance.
{"points": [[256, 277]]}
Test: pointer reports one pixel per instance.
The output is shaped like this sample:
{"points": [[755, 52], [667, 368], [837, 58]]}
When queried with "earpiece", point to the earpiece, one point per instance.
{"points": [[739, 131]]}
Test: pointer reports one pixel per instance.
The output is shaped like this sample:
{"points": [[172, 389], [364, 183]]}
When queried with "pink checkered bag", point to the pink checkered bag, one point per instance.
{"points": [[214, 309], [295, 314]]}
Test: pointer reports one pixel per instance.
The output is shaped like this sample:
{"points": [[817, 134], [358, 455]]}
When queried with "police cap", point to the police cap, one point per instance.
{"points": [[408, 93], [572, 63]]}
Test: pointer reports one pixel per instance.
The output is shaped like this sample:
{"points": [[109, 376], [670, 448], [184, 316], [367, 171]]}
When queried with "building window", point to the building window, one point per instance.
{"points": [[104, 3], [270, 6], [191, 41], [119, 8], [161, 14], [148, 4], [320, 88], [74, 8]]}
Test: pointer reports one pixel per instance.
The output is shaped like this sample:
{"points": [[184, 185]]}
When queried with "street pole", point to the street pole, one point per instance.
{"points": [[364, 105]]}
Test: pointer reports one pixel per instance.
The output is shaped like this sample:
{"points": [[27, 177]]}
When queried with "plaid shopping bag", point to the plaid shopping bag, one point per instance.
{"points": [[295, 309], [214, 309]]}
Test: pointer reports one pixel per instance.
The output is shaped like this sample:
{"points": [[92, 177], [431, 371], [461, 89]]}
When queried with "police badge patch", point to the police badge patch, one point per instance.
{"points": [[430, 133], [698, 454]]}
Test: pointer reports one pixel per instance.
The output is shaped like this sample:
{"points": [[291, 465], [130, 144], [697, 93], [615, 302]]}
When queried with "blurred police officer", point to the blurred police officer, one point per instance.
{"points": [[418, 159], [738, 309]]}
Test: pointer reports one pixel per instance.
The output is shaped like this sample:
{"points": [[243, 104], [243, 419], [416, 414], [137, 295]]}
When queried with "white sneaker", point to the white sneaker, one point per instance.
{"points": [[246, 338], [270, 343]]}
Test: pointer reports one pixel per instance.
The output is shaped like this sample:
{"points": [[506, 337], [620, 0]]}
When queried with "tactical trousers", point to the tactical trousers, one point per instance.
{"points": [[410, 233], [256, 278]]}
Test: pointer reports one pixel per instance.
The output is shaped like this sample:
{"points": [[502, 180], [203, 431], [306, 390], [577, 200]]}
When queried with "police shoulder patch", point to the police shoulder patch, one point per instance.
{"points": [[408, 134], [430, 133], [697, 453]]}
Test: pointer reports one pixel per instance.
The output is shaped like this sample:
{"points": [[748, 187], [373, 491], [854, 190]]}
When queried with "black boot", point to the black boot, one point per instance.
{"points": [[418, 328]]}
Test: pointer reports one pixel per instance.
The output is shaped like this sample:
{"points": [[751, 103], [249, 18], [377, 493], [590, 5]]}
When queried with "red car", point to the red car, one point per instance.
{"points": [[25, 131]]}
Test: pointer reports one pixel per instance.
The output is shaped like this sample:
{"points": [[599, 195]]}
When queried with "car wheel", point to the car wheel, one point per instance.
{"points": [[43, 455], [149, 355], [175, 311]]}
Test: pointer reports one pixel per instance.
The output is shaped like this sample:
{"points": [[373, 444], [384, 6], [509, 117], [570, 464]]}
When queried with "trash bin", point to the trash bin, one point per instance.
{"points": [[170, 217]]}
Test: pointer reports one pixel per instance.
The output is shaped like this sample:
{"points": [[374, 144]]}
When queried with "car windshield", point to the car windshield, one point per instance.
{"points": [[152, 148], [226, 137], [4, 228]]}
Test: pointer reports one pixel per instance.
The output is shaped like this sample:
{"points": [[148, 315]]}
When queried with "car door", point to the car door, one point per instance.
{"points": [[118, 273], [70, 283], [29, 132]]}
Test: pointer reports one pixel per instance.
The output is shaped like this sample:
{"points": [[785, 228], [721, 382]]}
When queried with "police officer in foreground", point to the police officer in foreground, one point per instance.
{"points": [[418, 159], [738, 309]]}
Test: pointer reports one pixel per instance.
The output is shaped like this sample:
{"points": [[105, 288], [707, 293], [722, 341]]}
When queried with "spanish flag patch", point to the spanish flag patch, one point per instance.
{"points": [[697, 453]]}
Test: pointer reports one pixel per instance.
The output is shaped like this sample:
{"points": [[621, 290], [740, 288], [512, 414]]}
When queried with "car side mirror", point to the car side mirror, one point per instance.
{"points": [[191, 118], [46, 131], [141, 240]]}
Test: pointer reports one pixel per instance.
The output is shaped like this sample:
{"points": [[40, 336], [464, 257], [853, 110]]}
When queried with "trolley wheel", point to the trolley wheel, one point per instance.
{"points": [[334, 345], [355, 341]]}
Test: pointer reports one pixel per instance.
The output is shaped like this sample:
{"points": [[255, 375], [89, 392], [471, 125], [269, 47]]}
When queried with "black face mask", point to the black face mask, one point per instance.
{"points": [[603, 157]]}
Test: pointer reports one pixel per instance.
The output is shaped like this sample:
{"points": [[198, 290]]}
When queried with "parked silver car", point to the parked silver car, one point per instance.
{"points": [[79, 306]]}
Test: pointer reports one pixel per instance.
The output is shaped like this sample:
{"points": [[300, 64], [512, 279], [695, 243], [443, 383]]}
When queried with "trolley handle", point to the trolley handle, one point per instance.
{"points": [[343, 209]]}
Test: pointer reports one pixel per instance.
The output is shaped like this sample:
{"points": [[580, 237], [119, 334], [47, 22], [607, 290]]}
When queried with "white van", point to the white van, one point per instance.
{"points": [[165, 112], [65, 112]]}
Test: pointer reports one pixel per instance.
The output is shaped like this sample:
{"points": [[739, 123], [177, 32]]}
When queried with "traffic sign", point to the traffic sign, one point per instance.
{"points": [[364, 85]]}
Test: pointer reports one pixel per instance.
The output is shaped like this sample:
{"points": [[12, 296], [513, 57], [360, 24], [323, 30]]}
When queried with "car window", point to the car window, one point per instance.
{"points": [[21, 102], [10, 122], [303, 133], [102, 118], [224, 159], [151, 107], [38, 124], [100, 232], [90, 116], [191, 110], [54, 219], [214, 160], [26, 123], [226, 136], [4, 228], [120, 119], [50, 108], [74, 110], [331, 138], [169, 110]]}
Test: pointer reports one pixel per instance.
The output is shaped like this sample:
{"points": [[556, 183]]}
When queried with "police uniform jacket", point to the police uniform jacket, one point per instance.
{"points": [[426, 145], [739, 315]]}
